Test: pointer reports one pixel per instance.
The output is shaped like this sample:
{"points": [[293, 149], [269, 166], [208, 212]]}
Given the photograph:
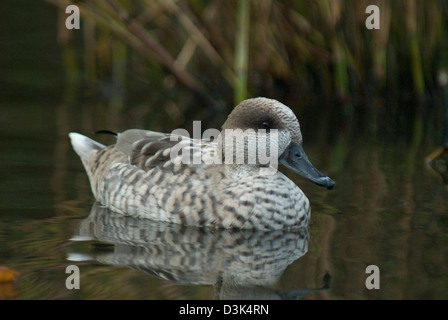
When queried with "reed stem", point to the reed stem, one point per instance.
{"points": [[242, 50]]}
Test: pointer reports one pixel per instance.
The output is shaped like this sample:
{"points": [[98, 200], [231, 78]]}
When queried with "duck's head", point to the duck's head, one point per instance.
{"points": [[276, 127]]}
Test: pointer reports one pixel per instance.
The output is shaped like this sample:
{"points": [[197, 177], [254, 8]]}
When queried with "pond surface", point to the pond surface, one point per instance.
{"points": [[388, 209]]}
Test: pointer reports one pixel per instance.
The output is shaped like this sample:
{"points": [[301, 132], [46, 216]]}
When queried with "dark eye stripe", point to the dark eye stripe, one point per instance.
{"points": [[265, 125]]}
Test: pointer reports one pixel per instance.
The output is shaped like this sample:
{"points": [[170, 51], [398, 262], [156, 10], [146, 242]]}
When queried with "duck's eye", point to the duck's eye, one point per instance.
{"points": [[265, 125]]}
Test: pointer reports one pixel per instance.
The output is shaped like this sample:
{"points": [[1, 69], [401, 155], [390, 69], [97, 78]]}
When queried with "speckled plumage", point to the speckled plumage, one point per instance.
{"points": [[139, 177]]}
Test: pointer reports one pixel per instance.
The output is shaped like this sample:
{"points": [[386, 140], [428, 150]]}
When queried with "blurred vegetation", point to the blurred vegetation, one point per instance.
{"points": [[304, 53]]}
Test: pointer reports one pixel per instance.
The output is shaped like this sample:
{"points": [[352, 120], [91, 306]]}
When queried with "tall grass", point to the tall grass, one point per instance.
{"points": [[230, 50]]}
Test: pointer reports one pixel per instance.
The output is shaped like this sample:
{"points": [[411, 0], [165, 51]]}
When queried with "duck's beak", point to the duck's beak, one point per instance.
{"points": [[294, 158]]}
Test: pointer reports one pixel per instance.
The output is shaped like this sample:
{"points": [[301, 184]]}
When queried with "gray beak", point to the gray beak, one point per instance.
{"points": [[294, 158]]}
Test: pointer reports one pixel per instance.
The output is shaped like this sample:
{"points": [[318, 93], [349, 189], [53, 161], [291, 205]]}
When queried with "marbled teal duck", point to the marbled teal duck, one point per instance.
{"points": [[146, 174]]}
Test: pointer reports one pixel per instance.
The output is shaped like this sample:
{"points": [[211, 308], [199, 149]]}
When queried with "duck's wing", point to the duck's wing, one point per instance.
{"points": [[126, 139], [148, 149]]}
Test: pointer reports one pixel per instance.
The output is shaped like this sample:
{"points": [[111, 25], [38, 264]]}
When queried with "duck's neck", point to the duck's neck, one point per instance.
{"points": [[237, 171], [246, 147]]}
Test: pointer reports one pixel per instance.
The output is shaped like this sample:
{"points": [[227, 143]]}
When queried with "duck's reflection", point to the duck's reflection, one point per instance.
{"points": [[240, 264]]}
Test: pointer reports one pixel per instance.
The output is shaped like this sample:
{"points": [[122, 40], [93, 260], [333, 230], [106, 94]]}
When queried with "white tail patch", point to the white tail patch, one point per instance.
{"points": [[84, 145]]}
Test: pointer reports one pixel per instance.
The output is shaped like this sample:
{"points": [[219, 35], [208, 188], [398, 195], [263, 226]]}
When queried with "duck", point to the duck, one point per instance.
{"points": [[226, 179]]}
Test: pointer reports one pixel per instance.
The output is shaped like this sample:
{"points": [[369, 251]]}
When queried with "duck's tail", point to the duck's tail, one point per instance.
{"points": [[84, 145]]}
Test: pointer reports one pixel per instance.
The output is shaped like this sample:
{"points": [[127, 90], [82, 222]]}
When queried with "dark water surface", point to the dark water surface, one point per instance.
{"points": [[387, 209]]}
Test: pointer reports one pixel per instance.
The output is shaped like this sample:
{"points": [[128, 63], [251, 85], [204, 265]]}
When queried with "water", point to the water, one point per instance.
{"points": [[388, 209]]}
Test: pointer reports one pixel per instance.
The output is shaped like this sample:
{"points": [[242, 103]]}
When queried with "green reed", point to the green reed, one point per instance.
{"points": [[242, 50]]}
